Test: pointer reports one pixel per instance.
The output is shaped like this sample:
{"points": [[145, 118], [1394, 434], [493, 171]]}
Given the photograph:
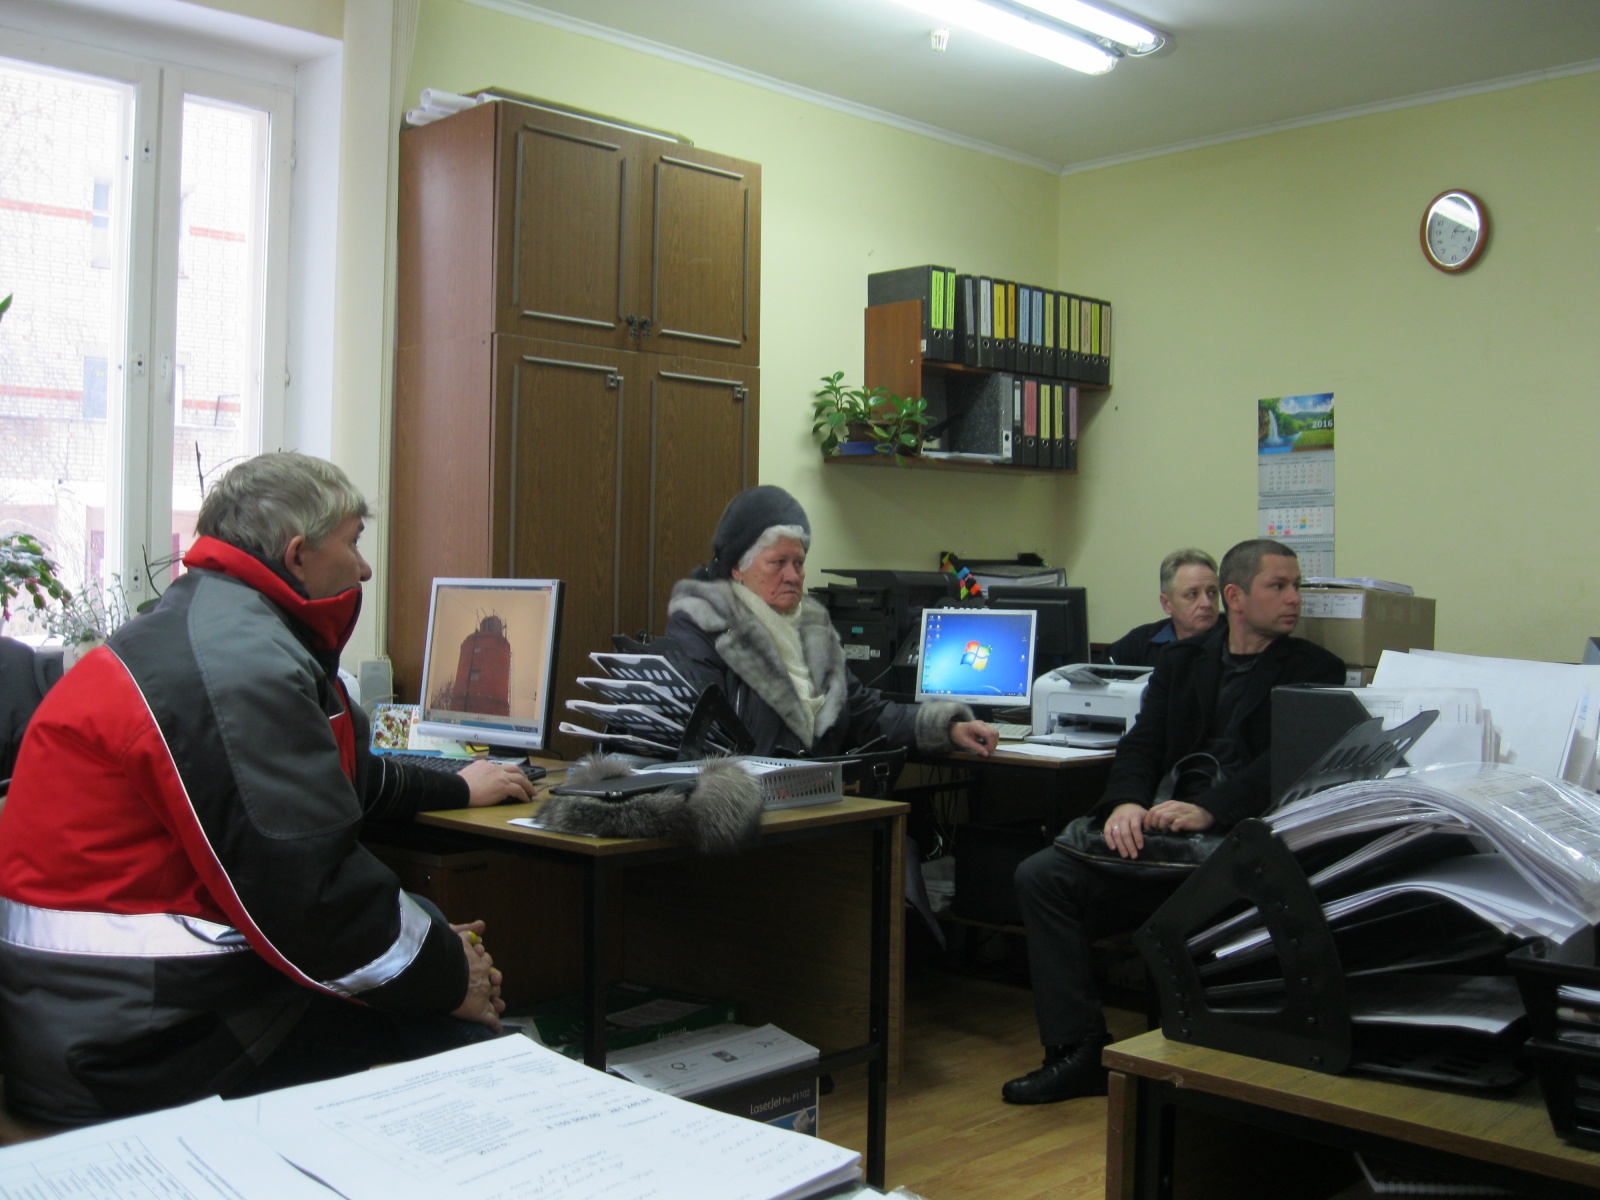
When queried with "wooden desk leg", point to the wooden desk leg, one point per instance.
{"points": [[594, 964], [878, 1004], [1122, 1137]]}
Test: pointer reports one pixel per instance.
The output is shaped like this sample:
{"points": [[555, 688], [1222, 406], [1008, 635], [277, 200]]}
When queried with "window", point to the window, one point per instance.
{"points": [[108, 164]]}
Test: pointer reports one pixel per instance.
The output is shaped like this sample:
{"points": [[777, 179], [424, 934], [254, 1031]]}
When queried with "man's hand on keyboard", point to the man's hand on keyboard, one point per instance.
{"points": [[492, 782]]}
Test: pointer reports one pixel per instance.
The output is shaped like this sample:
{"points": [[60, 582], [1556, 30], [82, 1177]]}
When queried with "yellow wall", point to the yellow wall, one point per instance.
{"points": [[1277, 265], [841, 197], [1468, 423]]}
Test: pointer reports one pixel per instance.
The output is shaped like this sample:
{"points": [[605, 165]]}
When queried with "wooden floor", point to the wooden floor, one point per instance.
{"points": [[950, 1136]]}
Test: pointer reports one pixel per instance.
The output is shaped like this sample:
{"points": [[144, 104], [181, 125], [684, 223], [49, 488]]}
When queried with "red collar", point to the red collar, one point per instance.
{"points": [[330, 621]]}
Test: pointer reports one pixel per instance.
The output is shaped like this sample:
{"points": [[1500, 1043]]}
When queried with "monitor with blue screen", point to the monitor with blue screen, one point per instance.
{"points": [[980, 656]]}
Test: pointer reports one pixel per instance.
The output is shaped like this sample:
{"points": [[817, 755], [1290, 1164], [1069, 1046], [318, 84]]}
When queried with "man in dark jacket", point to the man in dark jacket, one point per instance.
{"points": [[185, 906], [745, 624], [1208, 704], [1192, 600]]}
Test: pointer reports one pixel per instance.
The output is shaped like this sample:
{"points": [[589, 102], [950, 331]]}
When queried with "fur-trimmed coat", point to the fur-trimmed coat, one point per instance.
{"points": [[726, 645]]}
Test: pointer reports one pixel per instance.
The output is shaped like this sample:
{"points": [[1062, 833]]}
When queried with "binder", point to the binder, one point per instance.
{"points": [[986, 323], [927, 284], [966, 331], [978, 416], [1019, 433], [1058, 428], [1008, 325], [1052, 359], [1046, 426], [1036, 331], [1024, 328], [1030, 421], [1075, 362], [1072, 429], [1098, 364]]}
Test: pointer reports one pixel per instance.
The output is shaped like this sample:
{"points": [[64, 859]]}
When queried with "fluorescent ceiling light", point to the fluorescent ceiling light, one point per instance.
{"points": [[1013, 29], [1135, 38]]}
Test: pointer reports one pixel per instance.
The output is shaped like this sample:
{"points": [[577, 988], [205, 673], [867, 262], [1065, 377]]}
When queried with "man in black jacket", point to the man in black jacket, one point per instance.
{"points": [[1192, 600], [1208, 705]]}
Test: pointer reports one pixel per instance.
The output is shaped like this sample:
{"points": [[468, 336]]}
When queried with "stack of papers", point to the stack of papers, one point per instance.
{"points": [[691, 1064], [1541, 878], [504, 1118]]}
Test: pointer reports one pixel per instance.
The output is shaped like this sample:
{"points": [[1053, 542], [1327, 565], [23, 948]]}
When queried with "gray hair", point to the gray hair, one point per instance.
{"points": [[1189, 557], [1242, 564], [769, 535], [267, 501]]}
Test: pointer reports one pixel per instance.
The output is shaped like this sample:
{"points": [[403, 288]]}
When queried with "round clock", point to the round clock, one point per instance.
{"points": [[1455, 228]]}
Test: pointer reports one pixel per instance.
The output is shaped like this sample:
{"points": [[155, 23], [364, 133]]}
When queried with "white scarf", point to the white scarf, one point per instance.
{"points": [[784, 630]]}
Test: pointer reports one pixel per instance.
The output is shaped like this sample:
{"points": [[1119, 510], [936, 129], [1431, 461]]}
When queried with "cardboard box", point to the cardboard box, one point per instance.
{"points": [[1359, 624], [636, 1013]]}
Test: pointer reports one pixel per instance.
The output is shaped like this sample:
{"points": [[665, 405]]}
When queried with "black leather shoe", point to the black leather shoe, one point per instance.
{"points": [[1077, 1073]]}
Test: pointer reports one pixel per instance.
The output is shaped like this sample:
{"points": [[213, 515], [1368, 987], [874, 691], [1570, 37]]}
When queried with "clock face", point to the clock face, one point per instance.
{"points": [[1454, 230]]}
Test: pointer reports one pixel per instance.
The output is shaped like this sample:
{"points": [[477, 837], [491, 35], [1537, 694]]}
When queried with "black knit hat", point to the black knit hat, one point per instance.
{"points": [[748, 515]]}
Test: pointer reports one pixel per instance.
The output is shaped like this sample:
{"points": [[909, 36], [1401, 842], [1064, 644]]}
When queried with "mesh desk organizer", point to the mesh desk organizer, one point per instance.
{"points": [[651, 708], [1290, 999]]}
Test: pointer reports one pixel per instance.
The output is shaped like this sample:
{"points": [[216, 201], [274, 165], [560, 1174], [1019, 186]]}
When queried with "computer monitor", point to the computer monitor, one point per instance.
{"points": [[490, 660], [1062, 634], [981, 656]]}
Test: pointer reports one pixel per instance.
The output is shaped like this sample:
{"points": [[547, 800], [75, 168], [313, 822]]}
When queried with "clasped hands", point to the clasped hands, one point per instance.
{"points": [[1124, 828], [483, 1003]]}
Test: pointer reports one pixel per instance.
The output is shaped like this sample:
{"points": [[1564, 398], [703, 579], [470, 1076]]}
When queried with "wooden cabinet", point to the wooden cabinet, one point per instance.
{"points": [[577, 388]]}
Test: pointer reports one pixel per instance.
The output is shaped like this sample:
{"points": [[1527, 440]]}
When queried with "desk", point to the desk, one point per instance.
{"points": [[1068, 786], [787, 927], [1505, 1141]]}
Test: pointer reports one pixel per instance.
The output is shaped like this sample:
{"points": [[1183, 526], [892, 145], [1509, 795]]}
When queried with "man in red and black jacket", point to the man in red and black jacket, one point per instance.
{"points": [[185, 906]]}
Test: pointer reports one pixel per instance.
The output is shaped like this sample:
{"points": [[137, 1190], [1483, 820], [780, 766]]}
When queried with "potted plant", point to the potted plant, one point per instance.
{"points": [[873, 418], [88, 617], [25, 567]]}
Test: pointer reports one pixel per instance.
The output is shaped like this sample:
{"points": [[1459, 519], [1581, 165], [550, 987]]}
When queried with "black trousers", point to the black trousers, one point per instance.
{"points": [[1066, 904]]}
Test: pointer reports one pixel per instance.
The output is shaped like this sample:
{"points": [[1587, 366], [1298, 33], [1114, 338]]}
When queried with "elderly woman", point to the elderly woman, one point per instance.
{"points": [[746, 625]]}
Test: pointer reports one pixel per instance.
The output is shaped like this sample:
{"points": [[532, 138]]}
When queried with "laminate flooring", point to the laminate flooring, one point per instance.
{"points": [[950, 1136]]}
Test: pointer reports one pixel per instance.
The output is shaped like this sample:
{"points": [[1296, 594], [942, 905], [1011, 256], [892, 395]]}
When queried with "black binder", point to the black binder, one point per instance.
{"points": [[933, 286]]}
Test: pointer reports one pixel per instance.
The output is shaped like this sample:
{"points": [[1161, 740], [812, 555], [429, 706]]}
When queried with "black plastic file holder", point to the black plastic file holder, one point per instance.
{"points": [[1569, 1073]]}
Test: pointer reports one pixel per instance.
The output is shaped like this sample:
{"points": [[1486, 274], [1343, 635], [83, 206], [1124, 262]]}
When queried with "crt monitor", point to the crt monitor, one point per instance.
{"points": [[1062, 635], [490, 659], [981, 656]]}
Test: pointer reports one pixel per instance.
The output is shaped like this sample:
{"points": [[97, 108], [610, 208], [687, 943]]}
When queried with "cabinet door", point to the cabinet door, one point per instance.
{"points": [[703, 445], [569, 198], [702, 280], [568, 428]]}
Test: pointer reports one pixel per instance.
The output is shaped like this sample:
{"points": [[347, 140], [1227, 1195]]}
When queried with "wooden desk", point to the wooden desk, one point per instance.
{"points": [[805, 929], [1068, 786], [1505, 1141]]}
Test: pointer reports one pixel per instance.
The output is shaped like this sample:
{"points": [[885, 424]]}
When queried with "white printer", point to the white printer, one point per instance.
{"points": [[1087, 705]]}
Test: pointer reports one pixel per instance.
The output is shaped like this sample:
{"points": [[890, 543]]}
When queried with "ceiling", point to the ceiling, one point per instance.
{"points": [[1231, 67]]}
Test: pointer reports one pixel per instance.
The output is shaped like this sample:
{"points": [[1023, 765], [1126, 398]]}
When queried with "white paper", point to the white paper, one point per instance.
{"points": [[699, 1061], [197, 1152], [514, 1121], [1532, 704], [1034, 750]]}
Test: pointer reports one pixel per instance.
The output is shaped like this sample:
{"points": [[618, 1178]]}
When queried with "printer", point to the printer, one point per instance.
{"points": [[1088, 706]]}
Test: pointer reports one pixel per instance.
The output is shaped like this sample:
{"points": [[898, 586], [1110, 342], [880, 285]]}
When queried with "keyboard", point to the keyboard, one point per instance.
{"points": [[435, 762], [1011, 732]]}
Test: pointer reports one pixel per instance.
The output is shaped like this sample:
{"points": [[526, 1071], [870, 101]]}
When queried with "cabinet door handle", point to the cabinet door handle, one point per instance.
{"points": [[741, 393]]}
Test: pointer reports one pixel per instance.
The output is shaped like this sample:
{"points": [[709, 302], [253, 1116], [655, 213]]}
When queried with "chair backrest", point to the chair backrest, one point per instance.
{"points": [[25, 676]]}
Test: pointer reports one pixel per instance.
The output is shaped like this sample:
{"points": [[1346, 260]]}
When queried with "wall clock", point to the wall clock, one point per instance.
{"points": [[1455, 229]]}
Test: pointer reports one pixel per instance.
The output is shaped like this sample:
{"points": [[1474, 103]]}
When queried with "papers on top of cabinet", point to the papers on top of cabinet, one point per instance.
{"points": [[702, 1060]]}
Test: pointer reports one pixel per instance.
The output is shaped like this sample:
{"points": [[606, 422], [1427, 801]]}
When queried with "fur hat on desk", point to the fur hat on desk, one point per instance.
{"points": [[721, 814]]}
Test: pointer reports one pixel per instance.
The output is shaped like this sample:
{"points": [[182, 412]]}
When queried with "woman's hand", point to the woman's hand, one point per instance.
{"points": [[975, 737]]}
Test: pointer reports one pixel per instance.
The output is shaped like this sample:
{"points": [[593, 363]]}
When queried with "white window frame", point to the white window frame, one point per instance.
{"points": [[139, 470]]}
